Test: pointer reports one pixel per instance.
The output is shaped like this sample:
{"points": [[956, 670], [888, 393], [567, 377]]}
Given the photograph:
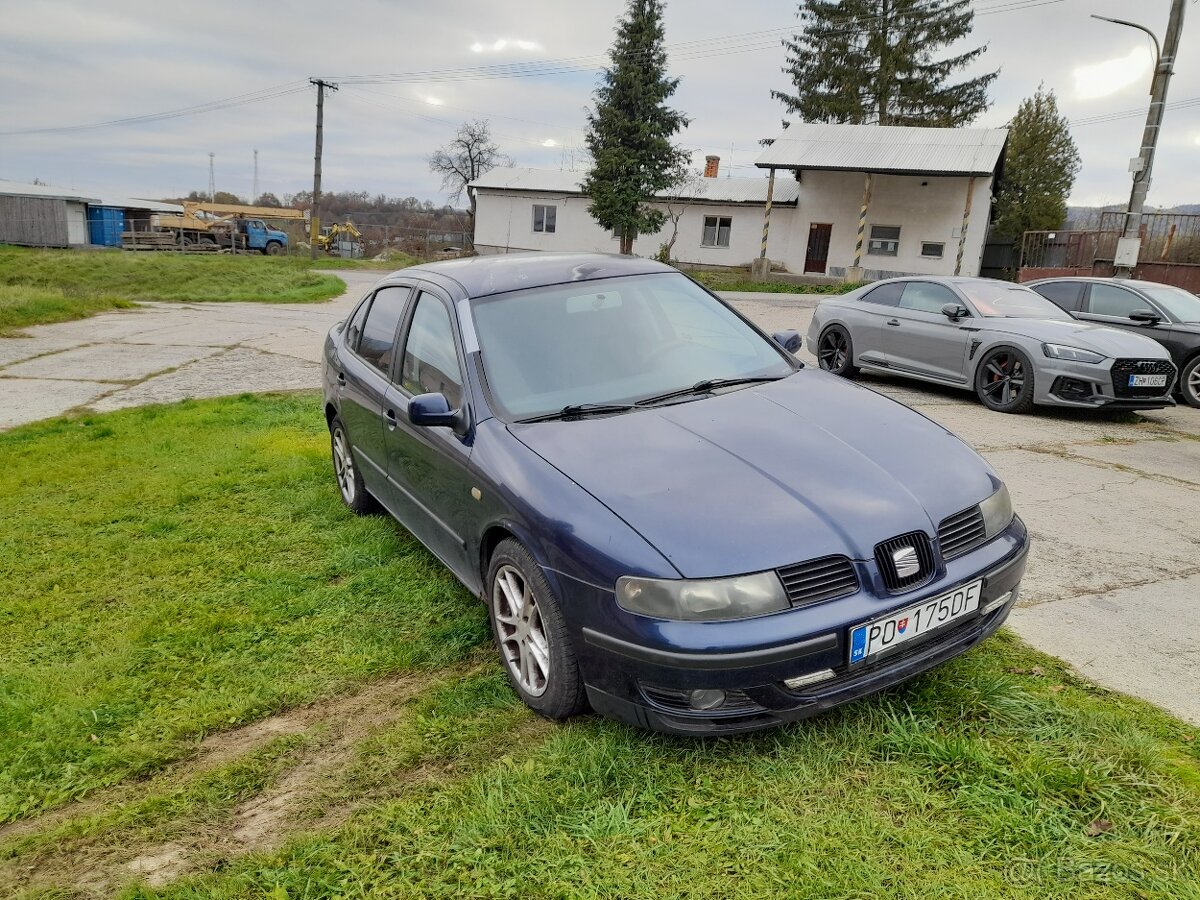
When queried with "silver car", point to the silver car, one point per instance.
{"points": [[1010, 345]]}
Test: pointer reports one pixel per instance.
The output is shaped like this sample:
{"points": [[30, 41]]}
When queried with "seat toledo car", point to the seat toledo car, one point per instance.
{"points": [[669, 517]]}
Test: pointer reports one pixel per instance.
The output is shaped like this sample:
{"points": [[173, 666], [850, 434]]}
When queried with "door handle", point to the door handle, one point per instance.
{"points": [[893, 321], [390, 415]]}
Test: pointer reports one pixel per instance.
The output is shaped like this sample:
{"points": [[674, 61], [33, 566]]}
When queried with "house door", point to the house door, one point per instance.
{"points": [[818, 248]]}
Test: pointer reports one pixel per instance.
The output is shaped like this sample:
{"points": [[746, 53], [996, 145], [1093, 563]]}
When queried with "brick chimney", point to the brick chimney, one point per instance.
{"points": [[711, 164]]}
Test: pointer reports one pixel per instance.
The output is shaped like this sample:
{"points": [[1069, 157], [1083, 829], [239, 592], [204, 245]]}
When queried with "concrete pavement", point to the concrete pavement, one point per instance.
{"points": [[1114, 580]]}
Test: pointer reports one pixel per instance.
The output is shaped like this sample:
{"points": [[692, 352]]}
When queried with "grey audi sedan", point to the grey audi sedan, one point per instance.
{"points": [[1007, 343]]}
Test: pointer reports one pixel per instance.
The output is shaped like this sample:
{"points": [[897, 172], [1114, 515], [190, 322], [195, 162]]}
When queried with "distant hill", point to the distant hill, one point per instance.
{"points": [[1083, 218]]}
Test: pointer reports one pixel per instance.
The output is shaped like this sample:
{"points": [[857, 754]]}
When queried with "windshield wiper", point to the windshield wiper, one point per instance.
{"points": [[707, 386], [577, 410]]}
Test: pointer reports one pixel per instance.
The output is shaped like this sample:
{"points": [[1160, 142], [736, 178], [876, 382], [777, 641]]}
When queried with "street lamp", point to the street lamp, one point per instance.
{"points": [[1129, 244]]}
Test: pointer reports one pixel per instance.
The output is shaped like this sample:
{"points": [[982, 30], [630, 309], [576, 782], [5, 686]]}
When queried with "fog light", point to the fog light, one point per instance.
{"points": [[811, 678], [992, 605], [709, 698]]}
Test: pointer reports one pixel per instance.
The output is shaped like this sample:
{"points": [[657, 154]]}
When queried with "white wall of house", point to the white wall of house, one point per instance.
{"points": [[927, 209], [504, 224]]}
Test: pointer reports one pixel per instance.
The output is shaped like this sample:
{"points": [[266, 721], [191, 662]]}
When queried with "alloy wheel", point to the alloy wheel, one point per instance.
{"points": [[343, 465], [832, 350], [523, 641], [1192, 387], [1003, 378]]}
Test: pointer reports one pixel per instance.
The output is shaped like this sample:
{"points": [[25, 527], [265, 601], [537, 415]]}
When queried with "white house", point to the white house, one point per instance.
{"points": [[720, 220], [851, 201]]}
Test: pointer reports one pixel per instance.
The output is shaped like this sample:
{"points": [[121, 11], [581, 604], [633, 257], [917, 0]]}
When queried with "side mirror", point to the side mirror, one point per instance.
{"points": [[955, 311], [789, 340], [431, 411], [1145, 316]]}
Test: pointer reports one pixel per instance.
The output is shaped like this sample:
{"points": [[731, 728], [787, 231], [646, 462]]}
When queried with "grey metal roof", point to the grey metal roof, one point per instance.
{"points": [[45, 191], [136, 203], [710, 190], [887, 148]]}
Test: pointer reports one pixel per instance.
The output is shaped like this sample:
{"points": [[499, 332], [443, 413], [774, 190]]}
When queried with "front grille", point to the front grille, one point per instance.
{"points": [[819, 579], [1123, 368], [961, 532], [895, 582]]}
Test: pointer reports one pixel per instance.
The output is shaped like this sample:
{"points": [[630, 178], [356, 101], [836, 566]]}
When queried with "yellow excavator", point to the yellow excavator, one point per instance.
{"points": [[340, 231]]}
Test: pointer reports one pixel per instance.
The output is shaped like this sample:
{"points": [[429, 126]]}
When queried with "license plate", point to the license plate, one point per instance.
{"points": [[873, 638], [1147, 380]]}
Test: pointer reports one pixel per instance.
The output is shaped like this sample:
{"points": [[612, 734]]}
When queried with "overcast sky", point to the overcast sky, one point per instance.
{"points": [[66, 63]]}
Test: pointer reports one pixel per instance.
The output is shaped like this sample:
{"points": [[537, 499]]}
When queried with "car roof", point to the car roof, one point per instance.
{"points": [[1127, 282], [482, 276]]}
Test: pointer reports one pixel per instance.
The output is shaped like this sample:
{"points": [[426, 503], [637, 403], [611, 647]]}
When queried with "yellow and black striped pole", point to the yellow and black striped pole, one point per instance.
{"points": [[862, 220], [962, 234], [762, 250]]}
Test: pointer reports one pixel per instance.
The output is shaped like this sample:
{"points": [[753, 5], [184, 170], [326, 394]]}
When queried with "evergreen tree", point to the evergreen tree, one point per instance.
{"points": [[877, 62], [630, 129], [1040, 165]]}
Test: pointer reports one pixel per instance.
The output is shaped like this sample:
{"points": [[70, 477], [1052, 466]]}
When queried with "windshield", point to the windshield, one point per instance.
{"points": [[1179, 303], [617, 340], [1009, 301]]}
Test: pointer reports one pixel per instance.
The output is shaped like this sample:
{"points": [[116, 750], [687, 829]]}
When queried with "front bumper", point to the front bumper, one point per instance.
{"points": [[1090, 386], [650, 686]]}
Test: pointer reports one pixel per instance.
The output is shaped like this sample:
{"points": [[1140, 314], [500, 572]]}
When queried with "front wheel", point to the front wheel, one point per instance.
{"points": [[1189, 382], [835, 352], [274, 248], [531, 634], [1004, 380]]}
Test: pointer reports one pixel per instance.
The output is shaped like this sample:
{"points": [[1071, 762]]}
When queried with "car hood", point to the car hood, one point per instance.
{"points": [[1111, 342], [762, 477]]}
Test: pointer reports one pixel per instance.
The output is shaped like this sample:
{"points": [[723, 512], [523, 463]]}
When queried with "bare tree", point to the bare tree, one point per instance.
{"points": [[687, 188], [471, 153]]}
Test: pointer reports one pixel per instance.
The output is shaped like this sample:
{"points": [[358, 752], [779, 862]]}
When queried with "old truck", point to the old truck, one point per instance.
{"points": [[215, 226]]}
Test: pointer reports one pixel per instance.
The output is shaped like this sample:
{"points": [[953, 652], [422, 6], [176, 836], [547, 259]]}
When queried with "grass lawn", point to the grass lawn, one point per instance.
{"points": [[186, 571], [39, 286], [392, 263], [740, 281]]}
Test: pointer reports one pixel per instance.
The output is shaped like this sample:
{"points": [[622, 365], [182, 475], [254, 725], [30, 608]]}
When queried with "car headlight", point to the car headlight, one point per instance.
{"points": [[997, 512], [709, 598], [1072, 354]]}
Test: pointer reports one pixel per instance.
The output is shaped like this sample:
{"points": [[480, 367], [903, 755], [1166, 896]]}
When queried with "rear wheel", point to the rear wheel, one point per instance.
{"points": [[835, 352], [1189, 382], [531, 634], [1004, 380], [349, 479]]}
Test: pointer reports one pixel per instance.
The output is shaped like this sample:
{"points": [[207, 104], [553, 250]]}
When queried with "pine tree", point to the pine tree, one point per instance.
{"points": [[630, 129], [877, 62], [1040, 165]]}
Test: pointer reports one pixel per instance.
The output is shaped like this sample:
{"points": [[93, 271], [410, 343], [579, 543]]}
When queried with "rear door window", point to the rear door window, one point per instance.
{"points": [[1063, 294], [378, 342]]}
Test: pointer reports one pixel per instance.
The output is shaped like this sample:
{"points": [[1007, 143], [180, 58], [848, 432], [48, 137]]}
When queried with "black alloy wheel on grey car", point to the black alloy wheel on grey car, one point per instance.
{"points": [[1189, 382], [1004, 380], [531, 634], [835, 352], [349, 479]]}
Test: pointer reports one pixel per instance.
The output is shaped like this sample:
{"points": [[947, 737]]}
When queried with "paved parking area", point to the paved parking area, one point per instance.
{"points": [[1114, 580]]}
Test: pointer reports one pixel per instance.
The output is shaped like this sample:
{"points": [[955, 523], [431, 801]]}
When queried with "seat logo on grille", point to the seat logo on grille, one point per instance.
{"points": [[906, 562]]}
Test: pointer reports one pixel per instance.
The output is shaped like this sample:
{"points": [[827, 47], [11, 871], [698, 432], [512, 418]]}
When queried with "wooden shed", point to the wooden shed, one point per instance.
{"points": [[39, 215]]}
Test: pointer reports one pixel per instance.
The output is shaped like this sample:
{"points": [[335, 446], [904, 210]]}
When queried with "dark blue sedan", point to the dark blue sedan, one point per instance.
{"points": [[670, 519]]}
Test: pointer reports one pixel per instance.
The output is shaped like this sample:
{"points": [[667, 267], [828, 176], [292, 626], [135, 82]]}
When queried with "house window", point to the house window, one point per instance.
{"points": [[716, 231], [933, 249], [885, 240], [544, 218]]}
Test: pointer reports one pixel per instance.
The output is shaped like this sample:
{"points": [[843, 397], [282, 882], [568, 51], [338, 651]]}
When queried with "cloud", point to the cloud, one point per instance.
{"points": [[1110, 76], [501, 44]]}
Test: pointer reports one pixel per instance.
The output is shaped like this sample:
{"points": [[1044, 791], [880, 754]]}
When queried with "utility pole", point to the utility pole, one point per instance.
{"points": [[254, 199], [1126, 257], [314, 227], [212, 181]]}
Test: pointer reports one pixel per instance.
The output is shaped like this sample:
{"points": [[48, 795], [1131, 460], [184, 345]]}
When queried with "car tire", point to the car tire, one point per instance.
{"points": [[1004, 380], [835, 352], [274, 248], [531, 634], [1189, 382], [345, 472]]}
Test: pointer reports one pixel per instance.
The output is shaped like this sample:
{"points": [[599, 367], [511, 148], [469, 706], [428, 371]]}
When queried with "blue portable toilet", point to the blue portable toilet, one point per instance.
{"points": [[105, 224]]}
